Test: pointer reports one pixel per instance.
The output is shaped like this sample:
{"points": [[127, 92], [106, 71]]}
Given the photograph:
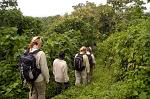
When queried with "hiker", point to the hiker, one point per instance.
{"points": [[60, 71], [82, 67], [91, 62], [37, 89]]}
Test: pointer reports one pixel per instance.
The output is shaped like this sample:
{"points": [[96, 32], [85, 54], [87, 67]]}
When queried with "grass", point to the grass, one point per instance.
{"points": [[101, 84]]}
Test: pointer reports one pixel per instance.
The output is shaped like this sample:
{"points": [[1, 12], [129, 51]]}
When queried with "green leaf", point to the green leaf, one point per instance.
{"points": [[143, 95]]}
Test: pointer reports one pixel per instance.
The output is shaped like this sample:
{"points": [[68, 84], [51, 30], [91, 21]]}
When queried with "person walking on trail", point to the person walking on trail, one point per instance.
{"points": [[60, 71], [82, 67], [37, 90], [91, 62]]}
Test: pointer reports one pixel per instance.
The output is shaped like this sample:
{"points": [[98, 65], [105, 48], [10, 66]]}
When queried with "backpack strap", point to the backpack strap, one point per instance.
{"points": [[80, 55], [36, 51], [26, 52]]}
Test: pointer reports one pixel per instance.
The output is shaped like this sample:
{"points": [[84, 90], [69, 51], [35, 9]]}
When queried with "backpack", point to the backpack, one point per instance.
{"points": [[90, 59], [28, 68], [78, 62]]}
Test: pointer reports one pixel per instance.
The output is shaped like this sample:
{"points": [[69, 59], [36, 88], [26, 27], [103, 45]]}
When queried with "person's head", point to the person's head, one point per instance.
{"points": [[83, 49], [36, 41], [89, 49], [61, 55]]}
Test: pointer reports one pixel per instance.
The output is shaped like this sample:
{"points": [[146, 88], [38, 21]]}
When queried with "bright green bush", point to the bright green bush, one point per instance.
{"points": [[11, 47], [127, 51], [88, 33], [10, 18]]}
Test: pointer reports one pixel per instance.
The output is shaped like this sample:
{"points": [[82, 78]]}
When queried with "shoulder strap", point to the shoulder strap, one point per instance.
{"points": [[26, 52], [81, 54], [36, 51]]}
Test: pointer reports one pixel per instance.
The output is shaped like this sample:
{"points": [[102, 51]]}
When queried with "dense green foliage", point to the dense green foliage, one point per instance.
{"points": [[10, 18], [11, 48], [118, 33], [128, 54], [122, 71]]}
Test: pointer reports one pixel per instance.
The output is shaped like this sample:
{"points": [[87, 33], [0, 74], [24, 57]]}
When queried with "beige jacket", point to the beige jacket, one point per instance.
{"points": [[60, 71], [41, 64], [85, 62]]}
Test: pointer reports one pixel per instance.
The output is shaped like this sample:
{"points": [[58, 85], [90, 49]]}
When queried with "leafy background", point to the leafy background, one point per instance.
{"points": [[118, 34]]}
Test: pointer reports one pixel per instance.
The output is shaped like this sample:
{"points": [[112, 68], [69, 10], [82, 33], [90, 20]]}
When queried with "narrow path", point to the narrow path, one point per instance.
{"points": [[102, 81]]}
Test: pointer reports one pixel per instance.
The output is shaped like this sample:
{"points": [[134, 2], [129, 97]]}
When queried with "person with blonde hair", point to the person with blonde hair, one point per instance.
{"points": [[39, 87], [81, 66]]}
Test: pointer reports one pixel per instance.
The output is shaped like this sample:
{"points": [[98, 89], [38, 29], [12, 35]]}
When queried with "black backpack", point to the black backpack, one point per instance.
{"points": [[90, 59], [28, 68], [78, 62]]}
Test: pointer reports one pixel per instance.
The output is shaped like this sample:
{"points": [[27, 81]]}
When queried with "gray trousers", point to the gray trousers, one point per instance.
{"points": [[38, 90], [81, 76]]}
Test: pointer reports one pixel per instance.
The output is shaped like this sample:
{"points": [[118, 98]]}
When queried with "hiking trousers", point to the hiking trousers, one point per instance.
{"points": [[89, 75], [61, 86], [38, 90], [80, 76]]}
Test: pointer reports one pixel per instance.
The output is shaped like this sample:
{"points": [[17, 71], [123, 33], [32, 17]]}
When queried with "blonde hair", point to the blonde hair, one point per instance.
{"points": [[35, 41], [83, 49]]}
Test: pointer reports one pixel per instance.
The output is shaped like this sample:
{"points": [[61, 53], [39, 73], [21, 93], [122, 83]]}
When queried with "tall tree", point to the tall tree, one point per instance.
{"points": [[101, 17], [128, 12], [85, 11], [10, 18], [122, 5], [8, 4]]}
